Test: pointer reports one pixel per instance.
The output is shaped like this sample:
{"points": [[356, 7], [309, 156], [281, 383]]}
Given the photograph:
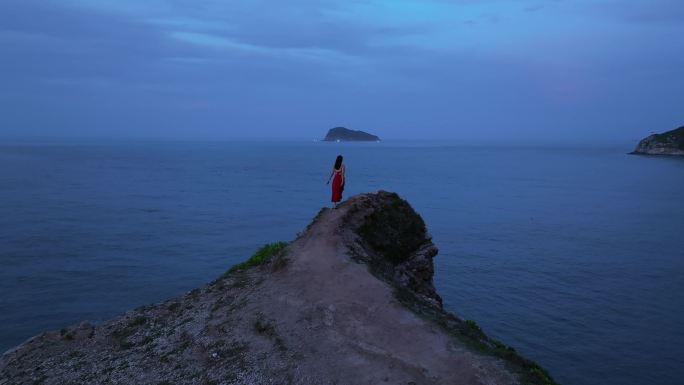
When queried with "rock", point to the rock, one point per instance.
{"points": [[350, 301], [667, 143], [341, 134], [395, 243]]}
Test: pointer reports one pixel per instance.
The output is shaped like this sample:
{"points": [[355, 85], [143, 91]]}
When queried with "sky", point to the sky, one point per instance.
{"points": [[527, 70]]}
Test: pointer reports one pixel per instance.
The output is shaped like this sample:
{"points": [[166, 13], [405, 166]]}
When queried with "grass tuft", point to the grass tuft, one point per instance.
{"points": [[470, 333], [262, 256]]}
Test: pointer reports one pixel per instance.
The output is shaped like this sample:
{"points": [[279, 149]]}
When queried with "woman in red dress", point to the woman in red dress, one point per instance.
{"points": [[338, 181]]}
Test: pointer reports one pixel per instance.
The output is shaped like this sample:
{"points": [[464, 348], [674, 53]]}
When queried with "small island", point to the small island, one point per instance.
{"points": [[667, 143], [342, 134]]}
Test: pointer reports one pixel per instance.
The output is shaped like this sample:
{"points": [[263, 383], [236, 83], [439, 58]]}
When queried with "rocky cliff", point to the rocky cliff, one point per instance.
{"points": [[347, 135], [667, 143], [349, 301]]}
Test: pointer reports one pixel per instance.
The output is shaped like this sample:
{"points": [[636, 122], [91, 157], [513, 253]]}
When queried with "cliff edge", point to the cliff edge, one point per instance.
{"points": [[349, 301], [667, 143]]}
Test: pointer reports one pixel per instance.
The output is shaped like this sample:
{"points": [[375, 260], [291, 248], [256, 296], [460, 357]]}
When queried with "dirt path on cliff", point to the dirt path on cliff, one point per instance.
{"points": [[342, 320]]}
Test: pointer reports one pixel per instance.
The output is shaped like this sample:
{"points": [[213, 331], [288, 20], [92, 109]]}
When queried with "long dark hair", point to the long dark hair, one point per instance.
{"points": [[338, 162]]}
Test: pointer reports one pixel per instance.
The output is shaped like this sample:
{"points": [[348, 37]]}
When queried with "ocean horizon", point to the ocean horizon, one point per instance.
{"points": [[571, 254]]}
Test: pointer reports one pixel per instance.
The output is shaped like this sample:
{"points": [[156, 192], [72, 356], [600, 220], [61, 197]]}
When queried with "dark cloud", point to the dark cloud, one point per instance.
{"points": [[645, 11], [225, 69]]}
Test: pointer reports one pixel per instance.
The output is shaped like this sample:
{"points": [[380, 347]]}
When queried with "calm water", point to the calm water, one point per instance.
{"points": [[573, 256]]}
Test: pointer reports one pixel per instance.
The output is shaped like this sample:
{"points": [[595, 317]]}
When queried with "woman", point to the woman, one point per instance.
{"points": [[338, 181]]}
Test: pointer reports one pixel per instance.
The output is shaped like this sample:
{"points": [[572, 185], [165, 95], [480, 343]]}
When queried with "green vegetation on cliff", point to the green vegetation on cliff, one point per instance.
{"points": [[674, 137], [262, 256], [396, 231]]}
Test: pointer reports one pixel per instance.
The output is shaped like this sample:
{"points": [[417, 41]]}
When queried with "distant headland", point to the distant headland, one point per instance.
{"points": [[667, 143], [342, 134]]}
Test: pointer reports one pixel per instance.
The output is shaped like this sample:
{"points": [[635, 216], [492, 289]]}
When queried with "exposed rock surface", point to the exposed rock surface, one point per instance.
{"points": [[667, 143], [349, 301], [347, 135]]}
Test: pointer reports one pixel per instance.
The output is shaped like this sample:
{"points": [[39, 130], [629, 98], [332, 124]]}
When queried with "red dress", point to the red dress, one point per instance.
{"points": [[337, 186]]}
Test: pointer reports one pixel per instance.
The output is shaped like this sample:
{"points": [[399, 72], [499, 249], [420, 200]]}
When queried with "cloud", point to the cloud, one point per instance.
{"points": [[669, 12], [190, 24], [233, 46], [534, 8], [188, 67]]}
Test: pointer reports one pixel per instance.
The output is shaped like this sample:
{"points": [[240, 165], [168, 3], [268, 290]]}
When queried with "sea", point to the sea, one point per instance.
{"points": [[571, 254]]}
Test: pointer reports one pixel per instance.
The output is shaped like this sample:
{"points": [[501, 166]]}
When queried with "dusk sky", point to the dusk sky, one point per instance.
{"points": [[457, 69]]}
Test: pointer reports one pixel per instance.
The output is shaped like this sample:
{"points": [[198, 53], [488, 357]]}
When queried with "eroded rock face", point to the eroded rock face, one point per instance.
{"points": [[394, 242], [668, 143]]}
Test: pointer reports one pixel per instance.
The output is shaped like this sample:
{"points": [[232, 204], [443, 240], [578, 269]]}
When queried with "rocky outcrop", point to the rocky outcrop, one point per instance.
{"points": [[667, 143], [341, 134], [394, 242], [350, 301]]}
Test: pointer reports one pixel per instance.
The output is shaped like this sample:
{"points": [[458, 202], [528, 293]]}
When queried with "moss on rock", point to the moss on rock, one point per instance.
{"points": [[395, 231]]}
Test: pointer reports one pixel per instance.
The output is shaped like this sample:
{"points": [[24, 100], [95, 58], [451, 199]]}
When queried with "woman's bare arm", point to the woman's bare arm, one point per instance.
{"points": [[331, 174]]}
